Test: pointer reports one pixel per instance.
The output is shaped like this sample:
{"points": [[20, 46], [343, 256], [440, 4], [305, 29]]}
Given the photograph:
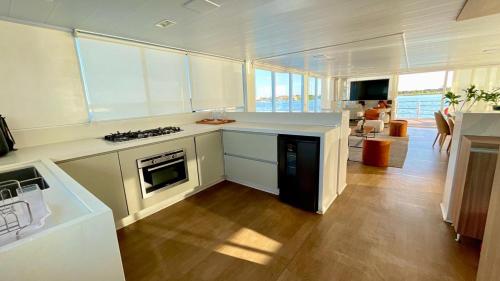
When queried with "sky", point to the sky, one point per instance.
{"points": [[263, 84], [422, 81]]}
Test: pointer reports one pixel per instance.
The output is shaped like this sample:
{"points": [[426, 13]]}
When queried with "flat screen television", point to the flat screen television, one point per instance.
{"points": [[369, 90]]}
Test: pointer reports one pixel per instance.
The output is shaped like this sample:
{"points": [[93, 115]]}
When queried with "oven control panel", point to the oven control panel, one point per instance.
{"points": [[160, 158]]}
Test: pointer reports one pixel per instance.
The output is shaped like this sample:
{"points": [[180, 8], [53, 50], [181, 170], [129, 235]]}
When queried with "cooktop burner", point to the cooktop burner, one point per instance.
{"points": [[132, 135]]}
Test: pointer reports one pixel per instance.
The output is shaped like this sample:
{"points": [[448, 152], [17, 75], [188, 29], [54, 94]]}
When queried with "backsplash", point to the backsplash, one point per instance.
{"points": [[41, 136]]}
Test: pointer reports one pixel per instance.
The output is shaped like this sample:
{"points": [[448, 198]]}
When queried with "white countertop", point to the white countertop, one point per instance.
{"points": [[271, 128], [66, 200], [81, 148]]}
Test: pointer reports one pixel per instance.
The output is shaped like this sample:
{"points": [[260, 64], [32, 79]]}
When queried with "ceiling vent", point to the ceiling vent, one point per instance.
{"points": [[320, 57], [323, 57], [164, 23], [201, 6]]}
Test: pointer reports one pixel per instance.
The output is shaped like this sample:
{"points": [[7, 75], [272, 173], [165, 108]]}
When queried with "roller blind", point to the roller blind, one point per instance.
{"points": [[132, 80], [215, 83], [40, 83]]}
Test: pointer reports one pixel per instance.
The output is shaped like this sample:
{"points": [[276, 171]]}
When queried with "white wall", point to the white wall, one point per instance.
{"points": [[303, 118], [40, 83], [42, 136], [249, 87]]}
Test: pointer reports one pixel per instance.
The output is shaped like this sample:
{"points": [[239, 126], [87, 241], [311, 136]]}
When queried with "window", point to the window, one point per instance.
{"points": [[115, 89], [317, 107], [311, 98], [278, 91], [314, 97], [297, 93], [167, 86], [263, 91], [420, 94], [127, 80], [282, 92], [215, 83]]}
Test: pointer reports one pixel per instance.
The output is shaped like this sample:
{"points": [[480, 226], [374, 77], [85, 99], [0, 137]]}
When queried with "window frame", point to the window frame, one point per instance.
{"points": [[290, 89], [316, 79], [447, 78]]}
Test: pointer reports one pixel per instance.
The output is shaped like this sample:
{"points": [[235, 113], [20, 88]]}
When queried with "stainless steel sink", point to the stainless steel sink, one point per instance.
{"points": [[26, 176]]}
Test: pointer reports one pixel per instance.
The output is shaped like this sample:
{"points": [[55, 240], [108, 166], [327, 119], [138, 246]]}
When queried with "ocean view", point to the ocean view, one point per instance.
{"points": [[409, 107], [421, 106], [266, 105]]}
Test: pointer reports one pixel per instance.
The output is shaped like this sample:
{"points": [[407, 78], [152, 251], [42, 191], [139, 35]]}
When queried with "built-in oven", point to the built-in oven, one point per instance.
{"points": [[162, 171]]}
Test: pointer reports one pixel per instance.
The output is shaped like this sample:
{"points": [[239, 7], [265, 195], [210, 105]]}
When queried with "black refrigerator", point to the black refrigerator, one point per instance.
{"points": [[298, 171]]}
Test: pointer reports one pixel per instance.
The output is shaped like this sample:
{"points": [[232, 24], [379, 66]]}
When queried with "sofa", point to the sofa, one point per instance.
{"points": [[355, 110], [378, 114], [378, 125]]}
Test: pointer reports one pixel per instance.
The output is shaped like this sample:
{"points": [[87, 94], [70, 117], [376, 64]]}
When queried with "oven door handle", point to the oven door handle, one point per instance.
{"points": [[165, 165]]}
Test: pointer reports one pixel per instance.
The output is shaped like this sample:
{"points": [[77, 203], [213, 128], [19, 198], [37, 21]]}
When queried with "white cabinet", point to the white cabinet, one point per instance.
{"points": [[210, 159], [256, 174], [251, 145], [251, 159], [101, 175]]}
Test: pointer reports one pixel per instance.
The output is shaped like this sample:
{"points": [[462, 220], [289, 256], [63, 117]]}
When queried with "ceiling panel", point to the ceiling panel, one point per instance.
{"points": [[479, 8], [64, 13], [4, 7], [269, 28], [383, 53], [32, 10]]}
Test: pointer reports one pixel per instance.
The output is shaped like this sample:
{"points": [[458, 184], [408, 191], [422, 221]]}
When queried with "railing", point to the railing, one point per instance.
{"points": [[417, 109]]}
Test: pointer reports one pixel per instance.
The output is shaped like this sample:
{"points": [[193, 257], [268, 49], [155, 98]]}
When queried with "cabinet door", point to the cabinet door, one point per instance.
{"points": [[251, 145], [257, 174], [101, 175], [476, 194], [210, 158]]}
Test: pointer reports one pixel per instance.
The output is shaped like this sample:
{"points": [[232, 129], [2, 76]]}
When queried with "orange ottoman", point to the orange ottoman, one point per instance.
{"points": [[398, 128], [376, 152]]}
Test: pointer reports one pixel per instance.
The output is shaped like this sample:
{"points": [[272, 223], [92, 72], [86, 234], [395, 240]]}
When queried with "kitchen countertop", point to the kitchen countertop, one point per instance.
{"points": [[66, 199], [81, 148]]}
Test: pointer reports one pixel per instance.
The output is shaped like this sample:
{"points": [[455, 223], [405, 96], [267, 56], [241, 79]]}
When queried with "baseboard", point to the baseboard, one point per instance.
{"points": [[342, 189], [162, 205], [254, 186], [443, 213], [323, 210]]}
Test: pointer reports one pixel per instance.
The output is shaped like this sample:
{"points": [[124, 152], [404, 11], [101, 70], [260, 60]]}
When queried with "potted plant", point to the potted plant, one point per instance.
{"points": [[452, 100], [472, 95], [493, 97]]}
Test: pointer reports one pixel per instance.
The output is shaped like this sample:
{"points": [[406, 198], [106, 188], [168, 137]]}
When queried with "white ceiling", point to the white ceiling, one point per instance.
{"points": [[360, 36]]}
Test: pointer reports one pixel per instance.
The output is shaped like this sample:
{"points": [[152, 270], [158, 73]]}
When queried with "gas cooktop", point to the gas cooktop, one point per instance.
{"points": [[133, 135]]}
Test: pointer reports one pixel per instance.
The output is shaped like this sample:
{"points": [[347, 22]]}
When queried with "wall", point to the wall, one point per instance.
{"points": [[40, 81], [42, 136], [485, 78], [302, 118], [249, 87]]}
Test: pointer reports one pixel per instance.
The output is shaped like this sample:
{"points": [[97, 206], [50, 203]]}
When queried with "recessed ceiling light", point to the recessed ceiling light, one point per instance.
{"points": [[164, 23], [201, 6]]}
